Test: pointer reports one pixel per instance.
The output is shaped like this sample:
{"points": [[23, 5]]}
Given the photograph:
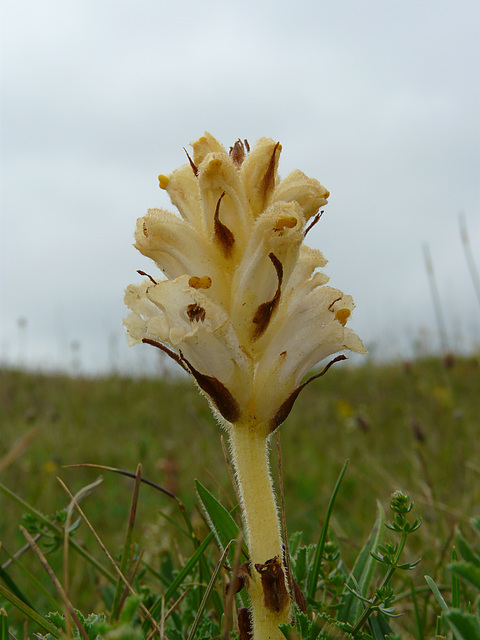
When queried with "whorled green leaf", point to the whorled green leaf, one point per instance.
{"points": [[361, 574], [381, 630]]}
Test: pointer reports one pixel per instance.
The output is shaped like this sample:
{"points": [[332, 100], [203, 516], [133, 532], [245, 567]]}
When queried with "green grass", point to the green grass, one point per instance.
{"points": [[414, 427]]}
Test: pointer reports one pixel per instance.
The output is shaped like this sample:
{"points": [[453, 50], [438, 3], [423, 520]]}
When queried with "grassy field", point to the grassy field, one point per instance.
{"points": [[414, 426]]}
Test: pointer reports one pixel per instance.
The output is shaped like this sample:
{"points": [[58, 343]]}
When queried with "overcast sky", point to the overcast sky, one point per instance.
{"points": [[379, 100]]}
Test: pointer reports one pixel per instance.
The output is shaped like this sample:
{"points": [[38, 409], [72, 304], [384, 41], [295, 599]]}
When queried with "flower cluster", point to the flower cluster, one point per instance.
{"points": [[241, 305]]}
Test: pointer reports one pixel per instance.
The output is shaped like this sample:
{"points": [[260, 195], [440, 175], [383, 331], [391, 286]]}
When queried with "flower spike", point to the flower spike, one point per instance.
{"points": [[243, 308]]}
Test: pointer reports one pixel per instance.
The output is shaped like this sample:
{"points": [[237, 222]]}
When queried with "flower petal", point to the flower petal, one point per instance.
{"points": [[259, 174], [182, 188], [217, 175], [306, 330], [278, 231], [198, 329], [308, 192], [204, 145], [178, 249]]}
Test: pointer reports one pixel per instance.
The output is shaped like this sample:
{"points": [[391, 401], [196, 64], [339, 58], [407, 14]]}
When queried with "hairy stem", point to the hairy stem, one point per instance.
{"points": [[267, 586]]}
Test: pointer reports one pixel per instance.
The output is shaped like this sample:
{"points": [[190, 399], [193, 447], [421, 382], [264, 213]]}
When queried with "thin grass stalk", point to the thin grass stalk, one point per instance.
{"points": [[66, 539], [107, 553], [207, 593], [61, 591], [317, 560], [442, 330], [54, 527], [11, 583], [164, 616], [132, 575], [158, 487], [182, 574], [468, 255], [18, 448], [229, 598], [126, 545], [28, 612]]}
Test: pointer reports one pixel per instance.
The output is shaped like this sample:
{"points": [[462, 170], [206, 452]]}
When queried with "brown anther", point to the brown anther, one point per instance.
{"points": [[142, 273], [222, 233], [313, 223], [290, 223], [237, 153], [247, 146], [264, 313], [275, 594], [195, 312], [342, 316], [205, 282], [192, 164], [244, 624], [144, 228]]}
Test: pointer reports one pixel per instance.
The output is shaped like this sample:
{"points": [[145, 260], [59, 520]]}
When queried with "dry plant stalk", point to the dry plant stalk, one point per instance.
{"points": [[242, 308]]}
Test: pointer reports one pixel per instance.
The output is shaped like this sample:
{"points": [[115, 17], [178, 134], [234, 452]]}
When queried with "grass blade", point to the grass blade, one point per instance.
{"points": [[206, 595], [156, 608], [418, 620], [455, 583], [29, 612], [126, 546], [437, 594], [313, 577], [13, 587], [3, 625]]}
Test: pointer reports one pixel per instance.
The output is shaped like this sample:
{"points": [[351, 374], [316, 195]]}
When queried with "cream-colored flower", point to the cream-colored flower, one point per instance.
{"points": [[241, 305]]}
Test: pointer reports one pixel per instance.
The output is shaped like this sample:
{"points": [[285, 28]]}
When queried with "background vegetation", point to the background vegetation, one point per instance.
{"points": [[411, 426]]}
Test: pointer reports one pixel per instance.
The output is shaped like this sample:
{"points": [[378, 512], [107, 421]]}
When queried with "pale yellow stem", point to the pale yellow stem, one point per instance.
{"points": [[250, 457]]}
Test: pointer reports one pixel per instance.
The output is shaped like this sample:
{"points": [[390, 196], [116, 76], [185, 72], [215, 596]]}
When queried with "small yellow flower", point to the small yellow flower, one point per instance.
{"points": [[241, 305]]}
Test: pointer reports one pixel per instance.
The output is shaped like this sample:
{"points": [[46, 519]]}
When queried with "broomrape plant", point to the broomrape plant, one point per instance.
{"points": [[242, 308]]}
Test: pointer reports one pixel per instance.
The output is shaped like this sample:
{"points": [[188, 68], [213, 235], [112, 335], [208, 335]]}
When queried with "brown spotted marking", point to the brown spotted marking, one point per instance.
{"points": [[264, 313], [275, 594], [223, 235]]}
